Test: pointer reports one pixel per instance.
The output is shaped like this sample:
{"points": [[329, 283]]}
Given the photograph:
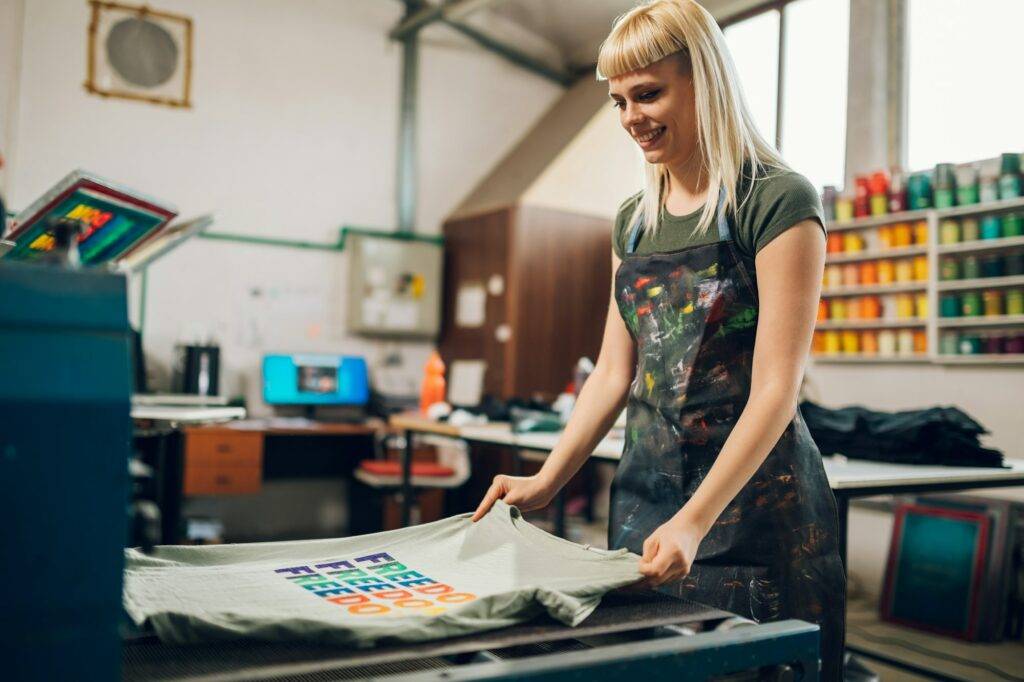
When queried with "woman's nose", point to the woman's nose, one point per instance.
{"points": [[632, 115]]}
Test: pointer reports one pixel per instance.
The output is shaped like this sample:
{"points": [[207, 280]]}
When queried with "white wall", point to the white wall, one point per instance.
{"points": [[595, 173], [11, 17], [292, 134]]}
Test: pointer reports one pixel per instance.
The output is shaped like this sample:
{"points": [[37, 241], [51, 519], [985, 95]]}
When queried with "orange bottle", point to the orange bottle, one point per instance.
{"points": [[433, 389], [822, 310]]}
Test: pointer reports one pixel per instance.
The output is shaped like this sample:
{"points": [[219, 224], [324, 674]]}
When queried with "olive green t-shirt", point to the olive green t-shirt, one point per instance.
{"points": [[778, 201]]}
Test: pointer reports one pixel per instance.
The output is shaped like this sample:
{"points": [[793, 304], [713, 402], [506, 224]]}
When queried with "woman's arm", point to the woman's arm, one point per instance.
{"points": [[789, 273], [599, 404]]}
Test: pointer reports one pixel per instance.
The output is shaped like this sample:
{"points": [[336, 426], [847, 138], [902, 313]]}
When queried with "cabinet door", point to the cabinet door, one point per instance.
{"points": [[476, 263]]}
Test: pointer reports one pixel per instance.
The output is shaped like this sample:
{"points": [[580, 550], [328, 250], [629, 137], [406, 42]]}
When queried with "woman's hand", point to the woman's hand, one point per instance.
{"points": [[669, 551], [526, 492]]}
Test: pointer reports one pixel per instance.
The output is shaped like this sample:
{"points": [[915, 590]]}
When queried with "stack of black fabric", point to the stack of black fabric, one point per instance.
{"points": [[939, 435]]}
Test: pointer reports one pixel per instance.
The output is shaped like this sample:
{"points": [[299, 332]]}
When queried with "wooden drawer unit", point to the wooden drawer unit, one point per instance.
{"points": [[222, 480], [222, 462]]}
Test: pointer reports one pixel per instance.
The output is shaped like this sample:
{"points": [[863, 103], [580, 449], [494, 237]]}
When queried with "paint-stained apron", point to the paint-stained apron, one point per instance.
{"points": [[773, 553]]}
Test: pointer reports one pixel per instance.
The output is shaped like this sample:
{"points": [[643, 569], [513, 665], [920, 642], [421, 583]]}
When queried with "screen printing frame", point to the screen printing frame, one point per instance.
{"points": [[29, 224]]}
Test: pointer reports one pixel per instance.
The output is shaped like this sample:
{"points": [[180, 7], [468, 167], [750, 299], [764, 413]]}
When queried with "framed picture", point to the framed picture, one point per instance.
{"points": [[139, 53]]}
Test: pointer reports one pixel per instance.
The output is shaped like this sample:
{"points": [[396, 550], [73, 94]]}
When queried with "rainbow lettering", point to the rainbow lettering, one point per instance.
{"points": [[374, 585]]}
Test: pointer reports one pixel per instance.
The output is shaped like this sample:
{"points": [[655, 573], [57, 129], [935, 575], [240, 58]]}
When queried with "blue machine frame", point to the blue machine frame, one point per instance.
{"points": [[65, 438]]}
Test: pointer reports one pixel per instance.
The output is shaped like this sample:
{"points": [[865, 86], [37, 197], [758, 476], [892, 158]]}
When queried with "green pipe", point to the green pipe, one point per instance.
{"points": [[406, 180], [268, 241]]}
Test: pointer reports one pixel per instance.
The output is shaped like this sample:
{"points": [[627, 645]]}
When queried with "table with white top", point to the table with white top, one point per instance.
{"points": [[848, 478]]}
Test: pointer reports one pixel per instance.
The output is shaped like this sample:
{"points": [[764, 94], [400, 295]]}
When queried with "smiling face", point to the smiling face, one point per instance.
{"points": [[656, 107]]}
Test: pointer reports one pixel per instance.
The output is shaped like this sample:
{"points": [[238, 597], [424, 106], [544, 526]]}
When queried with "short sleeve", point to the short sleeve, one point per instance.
{"points": [[619, 234], [778, 202]]}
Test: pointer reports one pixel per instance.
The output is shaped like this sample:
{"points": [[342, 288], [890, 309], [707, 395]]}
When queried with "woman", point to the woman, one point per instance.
{"points": [[717, 269]]}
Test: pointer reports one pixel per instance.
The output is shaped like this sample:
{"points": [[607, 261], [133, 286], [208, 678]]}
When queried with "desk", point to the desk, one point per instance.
{"points": [[250, 451], [848, 479]]}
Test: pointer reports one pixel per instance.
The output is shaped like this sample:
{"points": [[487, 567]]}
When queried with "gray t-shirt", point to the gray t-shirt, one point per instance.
{"points": [[441, 579]]}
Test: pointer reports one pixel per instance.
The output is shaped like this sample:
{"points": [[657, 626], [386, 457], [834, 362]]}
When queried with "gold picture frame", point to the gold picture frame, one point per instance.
{"points": [[174, 33]]}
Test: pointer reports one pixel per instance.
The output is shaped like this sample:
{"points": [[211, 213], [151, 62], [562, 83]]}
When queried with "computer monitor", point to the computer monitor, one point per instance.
{"points": [[315, 379]]}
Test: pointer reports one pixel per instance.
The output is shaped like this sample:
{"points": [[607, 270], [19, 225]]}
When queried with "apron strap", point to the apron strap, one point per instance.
{"points": [[722, 224]]}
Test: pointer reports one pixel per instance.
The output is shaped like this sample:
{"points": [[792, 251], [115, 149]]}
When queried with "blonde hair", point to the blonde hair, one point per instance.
{"points": [[727, 139]]}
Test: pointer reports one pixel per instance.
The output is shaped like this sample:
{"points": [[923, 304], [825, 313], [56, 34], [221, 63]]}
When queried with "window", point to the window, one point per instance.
{"points": [[754, 44], [964, 99], [814, 89]]}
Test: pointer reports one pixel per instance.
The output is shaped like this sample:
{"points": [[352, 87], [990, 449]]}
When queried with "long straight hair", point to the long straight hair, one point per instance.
{"points": [[727, 139]]}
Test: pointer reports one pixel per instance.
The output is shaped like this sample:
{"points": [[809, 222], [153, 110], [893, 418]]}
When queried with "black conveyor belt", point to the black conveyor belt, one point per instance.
{"points": [[148, 659]]}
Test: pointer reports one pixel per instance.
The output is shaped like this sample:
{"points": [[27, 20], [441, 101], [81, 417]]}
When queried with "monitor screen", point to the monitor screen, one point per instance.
{"points": [[309, 379]]}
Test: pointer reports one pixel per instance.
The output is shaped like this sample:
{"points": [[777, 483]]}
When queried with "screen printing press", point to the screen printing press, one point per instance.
{"points": [[628, 637]]}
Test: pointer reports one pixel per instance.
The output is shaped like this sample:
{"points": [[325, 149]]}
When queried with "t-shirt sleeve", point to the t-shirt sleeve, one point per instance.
{"points": [[777, 203], [620, 231]]}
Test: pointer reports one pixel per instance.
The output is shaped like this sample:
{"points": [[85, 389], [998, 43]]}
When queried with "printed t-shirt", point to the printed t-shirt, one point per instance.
{"points": [[441, 579], [777, 201]]}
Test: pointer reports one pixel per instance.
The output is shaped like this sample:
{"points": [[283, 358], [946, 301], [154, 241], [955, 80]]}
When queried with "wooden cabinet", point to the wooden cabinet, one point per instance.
{"points": [[547, 274], [223, 462]]}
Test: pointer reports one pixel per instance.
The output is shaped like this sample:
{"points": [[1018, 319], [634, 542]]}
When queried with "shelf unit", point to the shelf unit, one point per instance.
{"points": [[933, 286], [910, 323], [980, 321], [899, 288]]}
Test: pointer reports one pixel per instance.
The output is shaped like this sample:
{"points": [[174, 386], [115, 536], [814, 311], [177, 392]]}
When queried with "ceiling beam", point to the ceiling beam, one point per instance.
{"points": [[520, 59], [445, 9]]}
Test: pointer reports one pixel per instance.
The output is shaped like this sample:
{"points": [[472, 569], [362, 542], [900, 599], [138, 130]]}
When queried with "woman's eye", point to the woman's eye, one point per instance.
{"points": [[649, 95], [618, 104]]}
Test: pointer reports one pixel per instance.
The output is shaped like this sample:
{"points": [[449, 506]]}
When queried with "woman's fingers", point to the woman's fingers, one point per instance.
{"points": [[495, 492]]}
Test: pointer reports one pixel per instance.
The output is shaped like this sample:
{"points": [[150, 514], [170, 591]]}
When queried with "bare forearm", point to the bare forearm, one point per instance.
{"points": [[599, 404], [758, 429]]}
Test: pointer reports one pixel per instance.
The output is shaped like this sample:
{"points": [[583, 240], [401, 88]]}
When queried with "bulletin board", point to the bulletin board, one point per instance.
{"points": [[394, 285]]}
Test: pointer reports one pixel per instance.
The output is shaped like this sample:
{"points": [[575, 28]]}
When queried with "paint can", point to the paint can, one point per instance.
{"points": [[992, 344], [832, 343], [869, 272], [878, 186], [853, 309], [905, 342], [851, 342], [905, 270], [1009, 176], [822, 311], [945, 186], [988, 190], [853, 242], [904, 306], [921, 268], [969, 231], [970, 304], [921, 232], [861, 196], [993, 302], [1013, 264], [871, 307], [886, 272], [949, 306], [869, 342], [919, 191], [920, 342], [834, 243], [902, 235], [1013, 225], [921, 306], [949, 268], [949, 231], [844, 209], [837, 309], [1015, 302], [970, 345], [967, 185], [833, 276], [897, 192], [991, 227], [887, 343], [991, 266], [1014, 344], [885, 237], [949, 343], [851, 275], [970, 268]]}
